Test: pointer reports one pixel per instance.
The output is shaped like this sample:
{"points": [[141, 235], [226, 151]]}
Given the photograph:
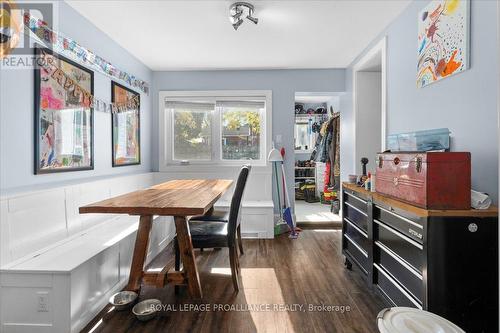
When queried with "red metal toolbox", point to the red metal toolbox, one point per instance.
{"points": [[432, 180]]}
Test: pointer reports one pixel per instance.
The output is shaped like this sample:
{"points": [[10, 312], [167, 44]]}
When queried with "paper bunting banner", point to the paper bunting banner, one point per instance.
{"points": [[46, 63], [71, 49]]}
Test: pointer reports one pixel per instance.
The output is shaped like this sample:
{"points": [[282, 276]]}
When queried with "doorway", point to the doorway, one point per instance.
{"points": [[317, 158], [369, 90]]}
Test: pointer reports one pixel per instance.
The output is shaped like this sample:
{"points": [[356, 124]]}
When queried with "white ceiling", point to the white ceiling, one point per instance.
{"points": [[189, 35]]}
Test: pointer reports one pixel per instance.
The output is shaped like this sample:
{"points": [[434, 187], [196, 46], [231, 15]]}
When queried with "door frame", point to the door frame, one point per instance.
{"points": [[498, 118], [380, 46]]}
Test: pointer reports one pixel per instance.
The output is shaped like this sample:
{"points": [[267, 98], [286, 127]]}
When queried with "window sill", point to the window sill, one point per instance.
{"points": [[213, 167]]}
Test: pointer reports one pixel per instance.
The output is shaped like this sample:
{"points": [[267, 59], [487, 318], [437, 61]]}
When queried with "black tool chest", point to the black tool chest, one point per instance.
{"points": [[445, 262]]}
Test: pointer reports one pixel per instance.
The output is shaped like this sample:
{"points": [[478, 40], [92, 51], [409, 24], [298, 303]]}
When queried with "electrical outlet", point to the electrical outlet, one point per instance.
{"points": [[279, 139], [43, 301]]}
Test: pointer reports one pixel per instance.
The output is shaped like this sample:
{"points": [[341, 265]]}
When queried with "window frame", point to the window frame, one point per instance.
{"points": [[166, 123]]}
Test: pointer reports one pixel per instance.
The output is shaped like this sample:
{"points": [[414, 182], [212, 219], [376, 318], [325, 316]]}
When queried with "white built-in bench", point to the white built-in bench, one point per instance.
{"points": [[58, 268], [51, 254]]}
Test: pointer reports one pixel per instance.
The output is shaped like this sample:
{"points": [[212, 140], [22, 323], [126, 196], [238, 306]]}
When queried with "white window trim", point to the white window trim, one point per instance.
{"points": [[165, 124]]}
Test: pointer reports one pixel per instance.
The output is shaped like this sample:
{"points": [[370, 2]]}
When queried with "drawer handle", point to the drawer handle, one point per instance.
{"points": [[363, 252], [356, 227], [399, 260], [355, 197], [401, 217], [418, 164], [391, 280], [357, 209], [400, 235]]}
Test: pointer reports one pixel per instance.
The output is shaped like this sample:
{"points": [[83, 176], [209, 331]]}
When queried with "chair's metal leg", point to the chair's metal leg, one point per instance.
{"points": [[240, 244], [237, 260], [233, 257]]}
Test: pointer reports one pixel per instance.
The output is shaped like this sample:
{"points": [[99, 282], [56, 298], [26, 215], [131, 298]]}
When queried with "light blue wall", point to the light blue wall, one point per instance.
{"points": [[466, 103], [283, 83], [16, 115]]}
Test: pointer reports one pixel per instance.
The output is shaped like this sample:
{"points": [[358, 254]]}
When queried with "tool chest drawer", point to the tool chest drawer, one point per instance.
{"points": [[392, 289], [356, 234], [406, 248], [356, 252], [355, 200], [411, 228], [410, 279], [439, 260], [356, 215]]}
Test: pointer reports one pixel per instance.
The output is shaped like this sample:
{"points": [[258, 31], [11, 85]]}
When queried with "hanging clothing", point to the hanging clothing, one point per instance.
{"points": [[322, 149], [327, 148], [314, 154], [334, 152]]}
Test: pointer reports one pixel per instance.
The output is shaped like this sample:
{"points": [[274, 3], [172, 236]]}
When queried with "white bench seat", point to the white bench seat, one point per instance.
{"points": [[257, 217], [73, 261], [72, 252]]}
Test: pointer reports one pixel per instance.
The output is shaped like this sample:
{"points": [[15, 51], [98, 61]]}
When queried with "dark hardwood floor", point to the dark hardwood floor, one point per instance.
{"points": [[308, 271]]}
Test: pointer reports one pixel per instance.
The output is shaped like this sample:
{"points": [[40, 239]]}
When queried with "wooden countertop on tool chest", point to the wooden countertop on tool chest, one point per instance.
{"points": [[377, 197]]}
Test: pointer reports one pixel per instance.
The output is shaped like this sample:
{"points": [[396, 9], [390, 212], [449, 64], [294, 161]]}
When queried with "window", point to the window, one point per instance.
{"points": [[241, 123], [226, 128], [192, 130]]}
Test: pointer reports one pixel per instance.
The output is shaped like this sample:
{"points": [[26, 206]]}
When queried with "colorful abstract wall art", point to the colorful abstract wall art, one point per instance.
{"points": [[443, 40], [126, 143], [63, 117]]}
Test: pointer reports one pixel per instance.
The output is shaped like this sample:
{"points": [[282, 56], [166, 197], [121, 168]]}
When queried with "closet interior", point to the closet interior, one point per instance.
{"points": [[317, 158]]}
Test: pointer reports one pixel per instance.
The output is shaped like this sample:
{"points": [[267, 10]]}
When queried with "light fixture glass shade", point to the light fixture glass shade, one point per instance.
{"points": [[237, 24], [275, 156], [253, 19]]}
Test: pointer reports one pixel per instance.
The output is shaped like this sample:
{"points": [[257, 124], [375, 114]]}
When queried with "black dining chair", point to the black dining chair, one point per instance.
{"points": [[223, 216], [209, 232]]}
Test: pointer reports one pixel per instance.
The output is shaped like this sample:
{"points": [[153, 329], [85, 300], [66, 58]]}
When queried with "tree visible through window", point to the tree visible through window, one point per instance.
{"points": [[214, 129], [240, 134], [193, 132]]}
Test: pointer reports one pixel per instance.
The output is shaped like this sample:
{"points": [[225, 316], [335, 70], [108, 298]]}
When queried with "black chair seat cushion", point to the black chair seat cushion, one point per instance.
{"points": [[216, 215], [205, 234]]}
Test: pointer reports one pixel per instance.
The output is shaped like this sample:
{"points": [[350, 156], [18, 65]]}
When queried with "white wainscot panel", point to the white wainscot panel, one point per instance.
{"points": [[36, 221]]}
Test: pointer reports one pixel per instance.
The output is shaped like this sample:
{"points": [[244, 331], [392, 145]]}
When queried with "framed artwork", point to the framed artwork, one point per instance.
{"points": [[125, 126], [443, 40], [63, 114]]}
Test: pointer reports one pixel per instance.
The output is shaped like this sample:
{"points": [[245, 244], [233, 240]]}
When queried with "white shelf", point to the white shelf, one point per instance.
{"points": [[305, 115]]}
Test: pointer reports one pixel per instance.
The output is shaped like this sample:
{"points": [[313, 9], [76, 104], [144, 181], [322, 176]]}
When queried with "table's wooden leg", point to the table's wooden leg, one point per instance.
{"points": [[140, 253], [187, 256]]}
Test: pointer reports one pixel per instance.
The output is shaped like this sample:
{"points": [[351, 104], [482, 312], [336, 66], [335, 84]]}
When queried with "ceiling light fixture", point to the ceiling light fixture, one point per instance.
{"points": [[237, 24], [237, 9]]}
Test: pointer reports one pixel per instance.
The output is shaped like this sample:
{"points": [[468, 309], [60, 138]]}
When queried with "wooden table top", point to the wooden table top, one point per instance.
{"points": [[377, 197], [173, 198]]}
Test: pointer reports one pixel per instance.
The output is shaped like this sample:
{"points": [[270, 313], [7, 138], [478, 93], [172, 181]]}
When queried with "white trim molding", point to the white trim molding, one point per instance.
{"points": [[498, 108], [381, 47]]}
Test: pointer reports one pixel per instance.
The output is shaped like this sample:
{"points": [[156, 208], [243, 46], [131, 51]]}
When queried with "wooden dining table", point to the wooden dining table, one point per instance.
{"points": [[178, 198]]}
